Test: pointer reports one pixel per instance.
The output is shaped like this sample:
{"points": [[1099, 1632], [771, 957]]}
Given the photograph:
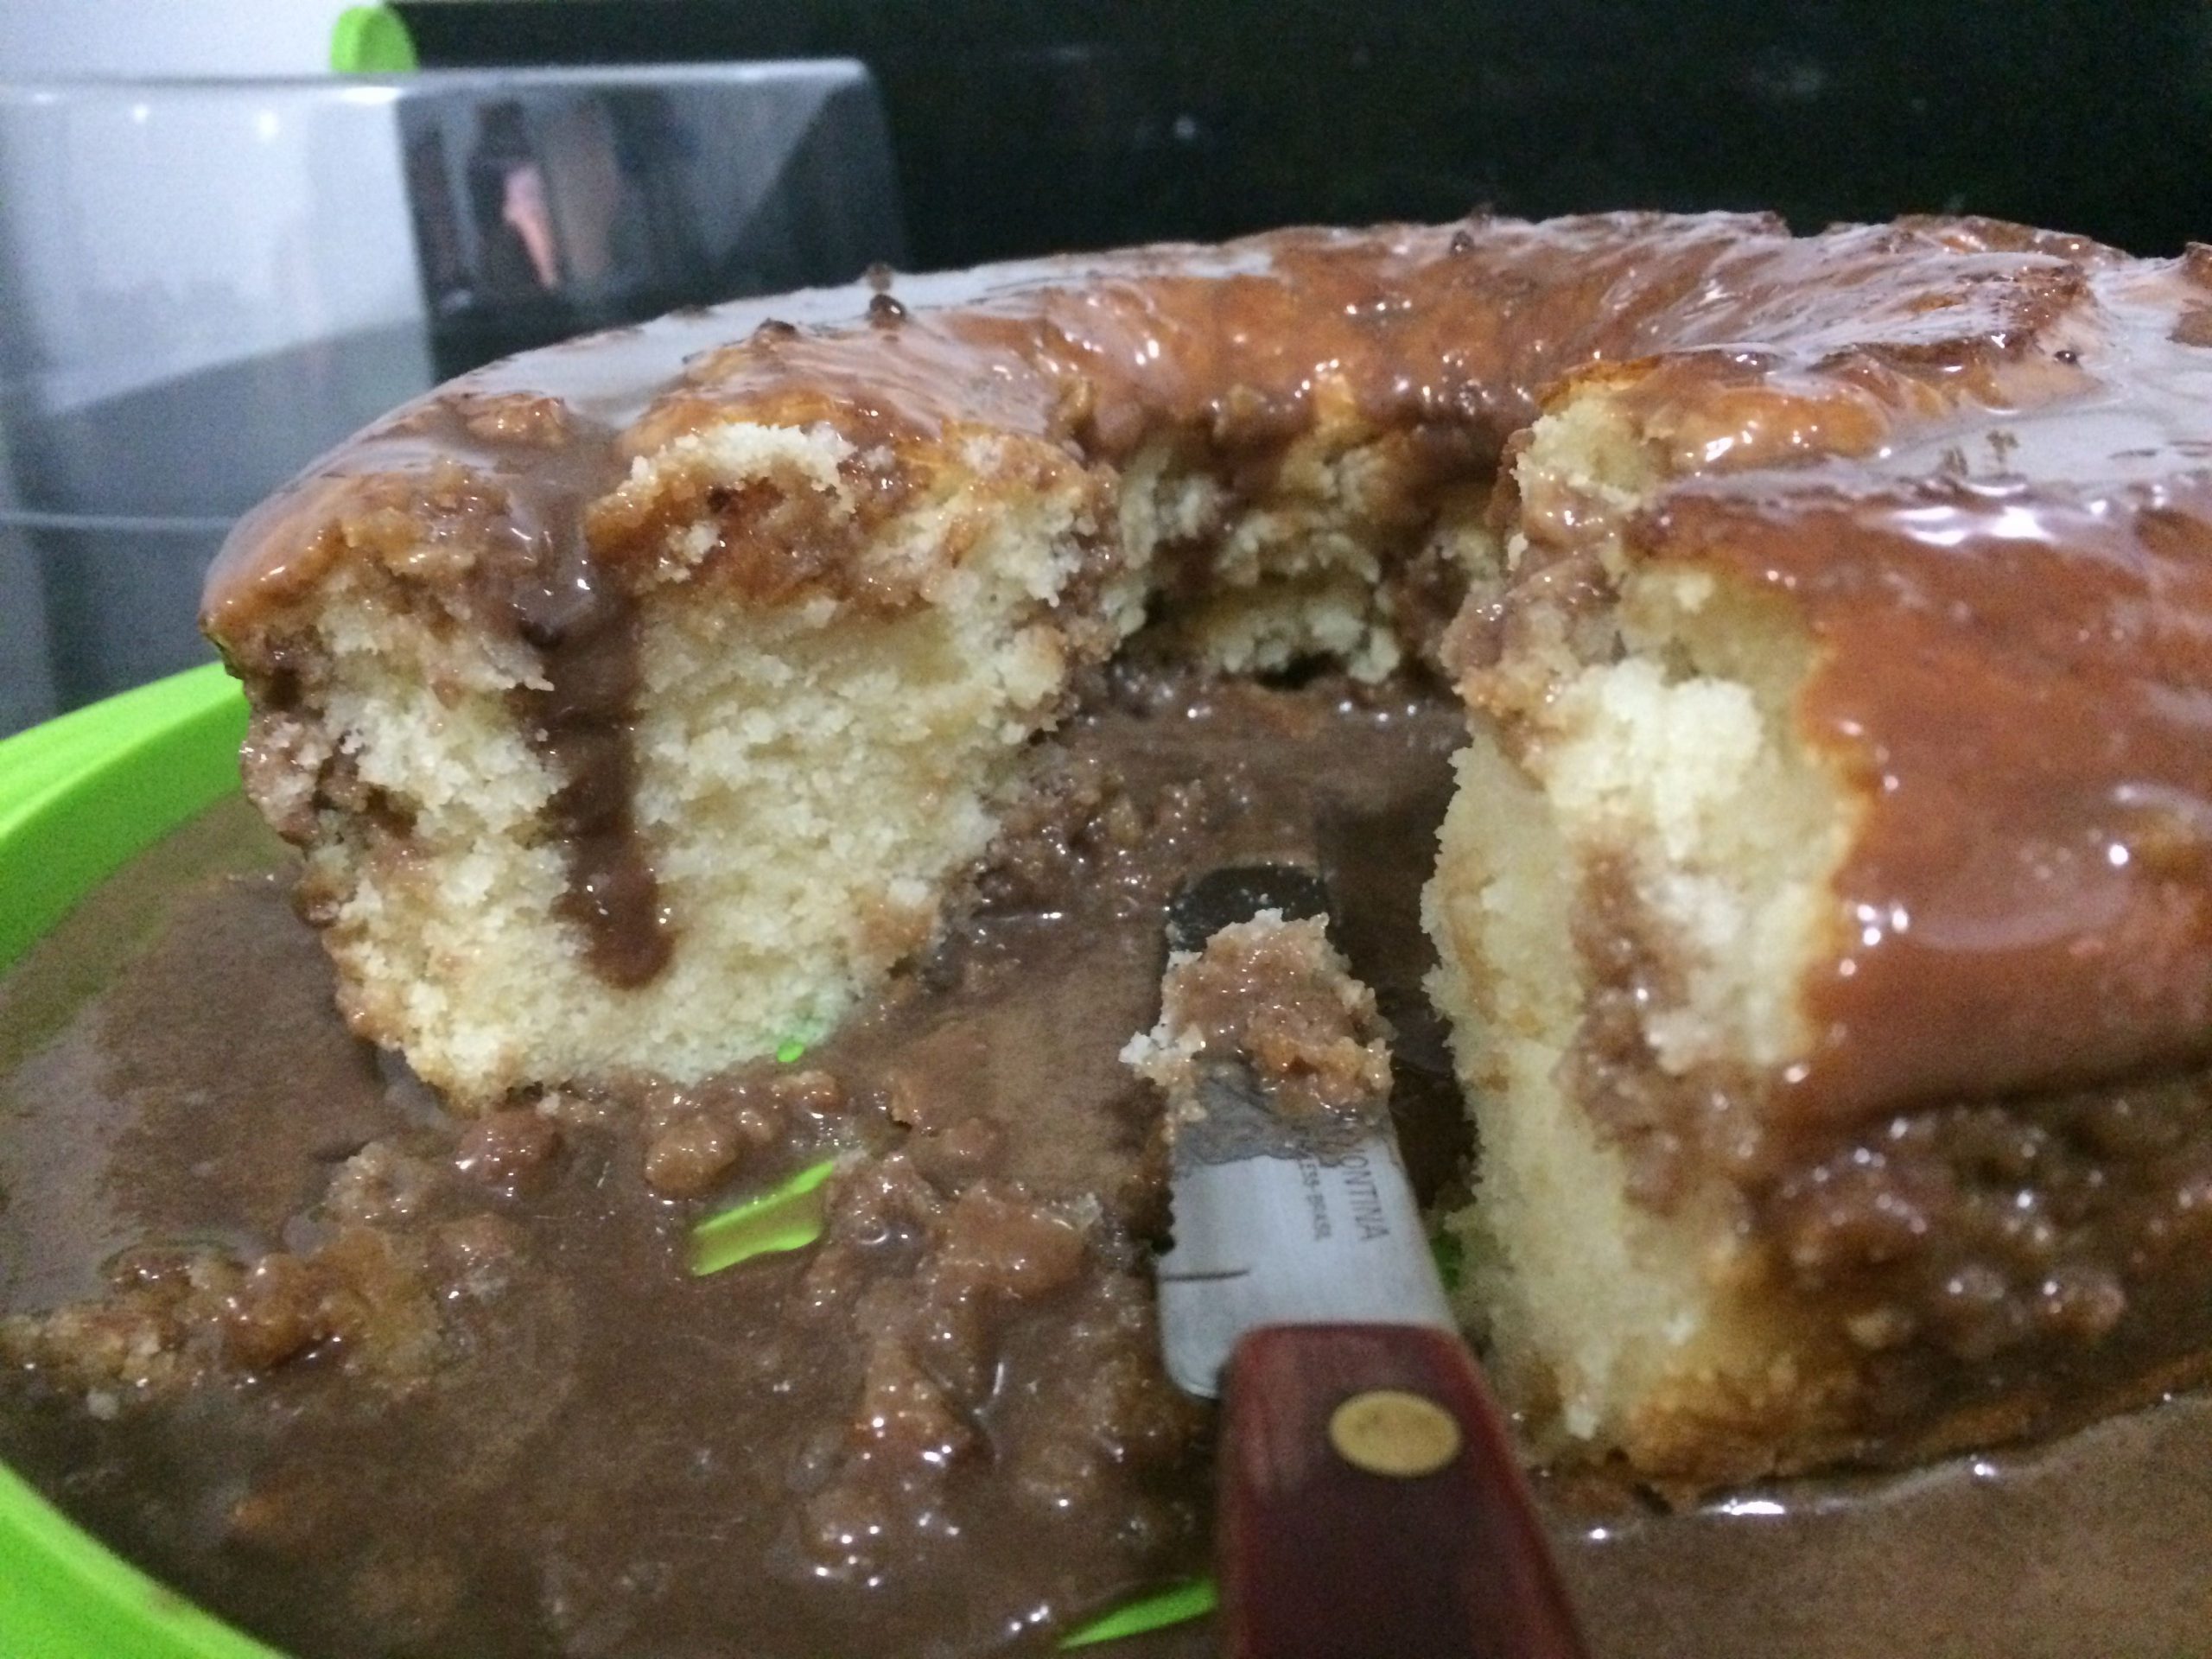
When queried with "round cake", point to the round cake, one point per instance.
{"points": [[1824, 916]]}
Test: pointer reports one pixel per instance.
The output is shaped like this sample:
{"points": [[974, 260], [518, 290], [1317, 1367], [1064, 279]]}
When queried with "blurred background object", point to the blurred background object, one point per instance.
{"points": [[209, 281], [1021, 125], [205, 284]]}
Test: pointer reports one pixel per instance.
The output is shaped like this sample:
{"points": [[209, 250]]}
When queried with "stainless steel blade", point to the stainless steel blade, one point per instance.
{"points": [[1284, 1221]]}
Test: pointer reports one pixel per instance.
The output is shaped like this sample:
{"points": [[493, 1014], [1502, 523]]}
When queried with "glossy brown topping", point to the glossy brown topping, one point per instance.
{"points": [[1974, 455], [2015, 618], [1459, 331], [943, 1429]]}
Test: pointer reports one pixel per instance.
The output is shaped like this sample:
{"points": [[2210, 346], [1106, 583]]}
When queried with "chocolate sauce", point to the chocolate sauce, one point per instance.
{"points": [[541, 583], [610, 1456], [942, 1429], [499, 495], [586, 633]]}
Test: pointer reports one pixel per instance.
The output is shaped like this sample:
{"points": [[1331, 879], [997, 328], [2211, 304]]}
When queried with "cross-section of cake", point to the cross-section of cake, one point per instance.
{"points": [[1825, 913]]}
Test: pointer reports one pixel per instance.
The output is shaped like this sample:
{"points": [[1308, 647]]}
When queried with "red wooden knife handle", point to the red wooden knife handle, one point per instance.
{"points": [[1371, 1507]]}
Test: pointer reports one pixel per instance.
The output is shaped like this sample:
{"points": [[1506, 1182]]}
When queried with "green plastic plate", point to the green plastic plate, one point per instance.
{"points": [[79, 796]]}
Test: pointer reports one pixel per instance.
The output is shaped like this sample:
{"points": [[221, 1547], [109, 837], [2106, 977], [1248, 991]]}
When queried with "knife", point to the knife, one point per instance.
{"points": [[1369, 1503]]}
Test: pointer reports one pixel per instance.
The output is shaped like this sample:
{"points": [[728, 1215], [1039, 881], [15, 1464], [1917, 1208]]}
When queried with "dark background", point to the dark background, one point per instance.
{"points": [[1024, 128]]}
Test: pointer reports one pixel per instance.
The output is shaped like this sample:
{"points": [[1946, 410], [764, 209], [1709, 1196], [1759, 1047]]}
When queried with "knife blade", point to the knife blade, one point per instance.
{"points": [[1371, 1500], [1283, 1226], [1279, 1219]]}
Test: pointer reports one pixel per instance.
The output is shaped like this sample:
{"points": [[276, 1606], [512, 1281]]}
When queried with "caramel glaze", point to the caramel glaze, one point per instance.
{"points": [[1974, 456], [2010, 606]]}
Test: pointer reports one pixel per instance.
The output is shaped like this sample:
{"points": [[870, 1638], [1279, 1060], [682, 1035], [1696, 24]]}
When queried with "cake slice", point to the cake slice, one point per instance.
{"points": [[668, 805], [1825, 974]]}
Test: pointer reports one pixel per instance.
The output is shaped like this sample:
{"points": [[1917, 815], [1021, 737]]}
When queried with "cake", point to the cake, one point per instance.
{"points": [[1824, 915]]}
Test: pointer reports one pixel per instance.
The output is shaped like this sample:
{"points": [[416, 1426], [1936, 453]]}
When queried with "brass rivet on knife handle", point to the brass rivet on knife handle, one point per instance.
{"points": [[1390, 1431], [1319, 1560]]}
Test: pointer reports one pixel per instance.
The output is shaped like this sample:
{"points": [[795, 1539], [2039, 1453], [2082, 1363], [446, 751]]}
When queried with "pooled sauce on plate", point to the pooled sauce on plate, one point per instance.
{"points": [[366, 1379]]}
